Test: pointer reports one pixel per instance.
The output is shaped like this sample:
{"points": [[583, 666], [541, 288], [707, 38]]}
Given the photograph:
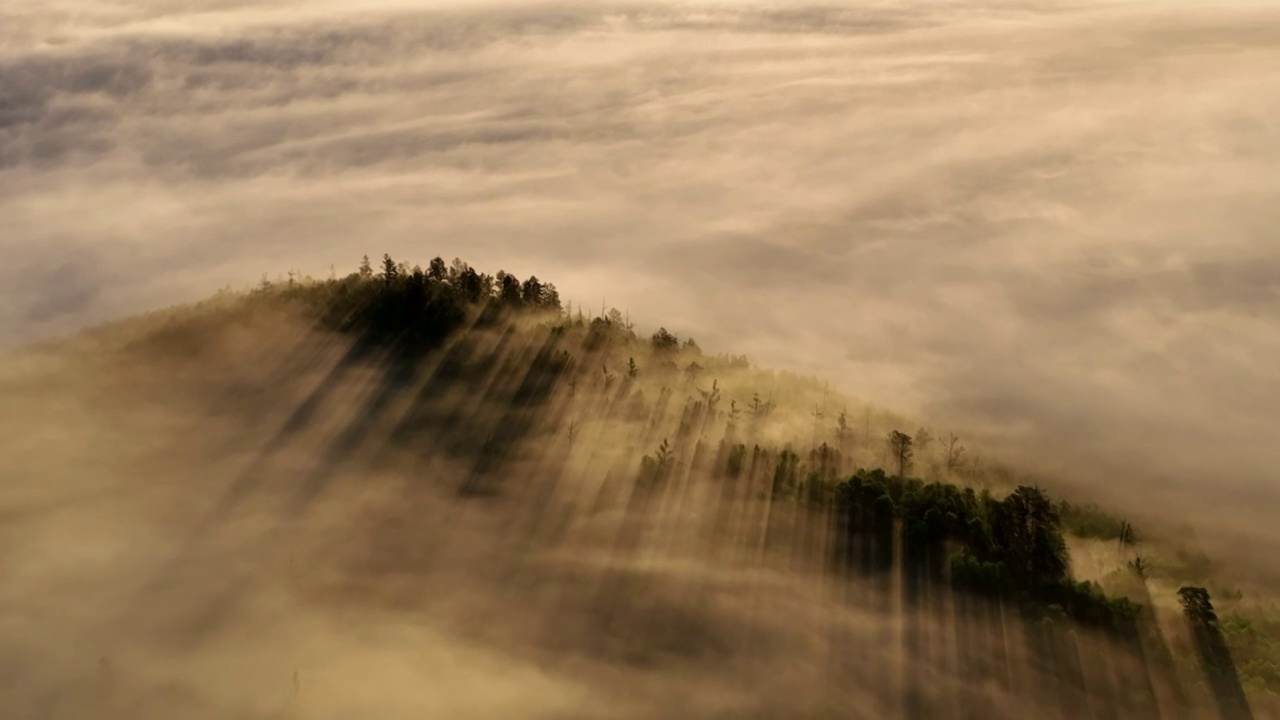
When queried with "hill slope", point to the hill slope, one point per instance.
{"points": [[412, 493]]}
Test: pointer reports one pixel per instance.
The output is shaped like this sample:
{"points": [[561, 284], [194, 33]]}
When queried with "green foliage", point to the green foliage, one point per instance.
{"points": [[1025, 526], [1196, 604], [1010, 548], [968, 572], [655, 468], [664, 342], [1091, 521], [1255, 646], [1084, 602], [606, 331], [760, 409], [508, 289], [786, 473], [411, 311], [902, 448]]}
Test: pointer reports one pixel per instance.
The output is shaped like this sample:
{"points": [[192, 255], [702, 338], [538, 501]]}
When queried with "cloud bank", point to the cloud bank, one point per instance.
{"points": [[1049, 224]]}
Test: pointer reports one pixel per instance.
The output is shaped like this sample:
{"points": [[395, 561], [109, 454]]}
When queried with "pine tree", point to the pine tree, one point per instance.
{"points": [[843, 432], [900, 445], [390, 271]]}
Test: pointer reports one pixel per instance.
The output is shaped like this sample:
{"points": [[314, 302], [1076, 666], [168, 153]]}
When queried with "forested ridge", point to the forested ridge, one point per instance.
{"points": [[581, 417]]}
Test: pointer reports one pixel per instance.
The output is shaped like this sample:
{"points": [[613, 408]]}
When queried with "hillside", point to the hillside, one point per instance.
{"points": [[431, 493]]}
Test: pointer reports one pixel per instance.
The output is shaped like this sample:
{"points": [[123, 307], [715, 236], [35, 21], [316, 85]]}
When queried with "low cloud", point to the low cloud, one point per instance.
{"points": [[1045, 225]]}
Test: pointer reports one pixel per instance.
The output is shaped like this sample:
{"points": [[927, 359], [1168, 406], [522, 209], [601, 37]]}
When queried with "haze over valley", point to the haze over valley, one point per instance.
{"points": [[1045, 228]]}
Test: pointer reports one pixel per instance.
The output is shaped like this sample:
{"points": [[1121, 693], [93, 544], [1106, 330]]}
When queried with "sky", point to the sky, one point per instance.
{"points": [[1050, 224]]}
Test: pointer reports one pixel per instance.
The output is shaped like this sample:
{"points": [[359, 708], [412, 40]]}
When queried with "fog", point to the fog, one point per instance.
{"points": [[258, 521], [1046, 225]]}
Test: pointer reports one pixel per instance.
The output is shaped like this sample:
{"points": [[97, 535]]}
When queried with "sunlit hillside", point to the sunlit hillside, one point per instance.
{"points": [[408, 493]]}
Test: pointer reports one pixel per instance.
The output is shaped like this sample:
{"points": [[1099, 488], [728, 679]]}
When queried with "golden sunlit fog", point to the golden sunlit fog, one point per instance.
{"points": [[1044, 228]]}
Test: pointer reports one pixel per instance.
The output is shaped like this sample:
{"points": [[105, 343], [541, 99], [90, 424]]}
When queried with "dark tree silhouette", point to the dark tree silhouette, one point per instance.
{"points": [[471, 284], [1025, 525], [760, 409], [843, 432], [955, 457], [665, 342], [654, 469], [1127, 534], [711, 398], [531, 291], [923, 439], [437, 270], [508, 289], [389, 270], [1215, 658], [1197, 606], [550, 296], [900, 447], [734, 416], [693, 370]]}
